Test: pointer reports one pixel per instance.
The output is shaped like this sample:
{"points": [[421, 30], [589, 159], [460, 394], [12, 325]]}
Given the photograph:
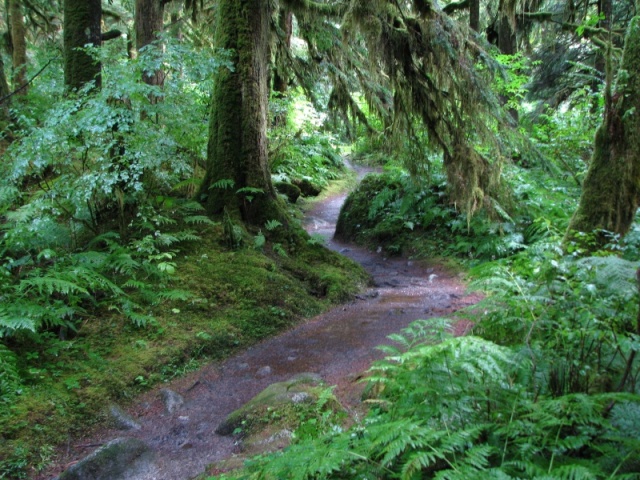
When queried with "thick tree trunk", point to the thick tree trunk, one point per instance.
{"points": [[149, 22], [19, 46], [81, 28], [474, 15], [507, 38], [237, 148], [611, 189]]}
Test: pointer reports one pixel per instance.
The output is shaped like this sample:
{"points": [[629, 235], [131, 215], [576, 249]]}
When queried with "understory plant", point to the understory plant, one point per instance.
{"points": [[546, 387]]}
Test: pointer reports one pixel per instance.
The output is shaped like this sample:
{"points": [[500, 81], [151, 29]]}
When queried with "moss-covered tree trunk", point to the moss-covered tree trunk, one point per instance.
{"points": [[19, 46], [611, 189], [474, 15], [237, 148], [81, 28], [148, 23], [5, 118]]}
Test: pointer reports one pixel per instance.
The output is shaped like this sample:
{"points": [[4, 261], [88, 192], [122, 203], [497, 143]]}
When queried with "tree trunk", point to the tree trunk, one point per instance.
{"points": [[474, 15], [237, 148], [280, 81], [81, 28], [149, 22], [19, 46], [5, 118], [611, 189]]}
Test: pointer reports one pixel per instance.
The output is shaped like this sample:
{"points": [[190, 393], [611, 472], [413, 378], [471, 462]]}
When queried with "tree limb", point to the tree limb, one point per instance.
{"points": [[455, 6]]}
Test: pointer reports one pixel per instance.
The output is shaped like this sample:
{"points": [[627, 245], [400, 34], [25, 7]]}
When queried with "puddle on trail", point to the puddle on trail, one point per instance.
{"points": [[338, 345]]}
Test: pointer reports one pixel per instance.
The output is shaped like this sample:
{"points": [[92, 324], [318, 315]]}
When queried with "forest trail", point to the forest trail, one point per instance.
{"points": [[338, 345]]}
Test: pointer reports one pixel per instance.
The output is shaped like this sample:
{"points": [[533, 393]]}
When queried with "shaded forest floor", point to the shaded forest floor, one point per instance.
{"points": [[339, 345]]}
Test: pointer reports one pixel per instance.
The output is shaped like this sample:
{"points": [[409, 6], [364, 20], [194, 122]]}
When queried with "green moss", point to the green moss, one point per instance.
{"points": [[239, 297]]}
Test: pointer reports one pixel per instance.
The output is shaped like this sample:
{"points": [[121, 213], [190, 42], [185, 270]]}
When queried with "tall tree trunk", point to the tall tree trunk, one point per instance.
{"points": [[237, 148], [605, 8], [507, 38], [5, 118], [280, 78], [611, 189], [149, 22], [81, 28], [474, 15], [19, 46], [285, 23]]}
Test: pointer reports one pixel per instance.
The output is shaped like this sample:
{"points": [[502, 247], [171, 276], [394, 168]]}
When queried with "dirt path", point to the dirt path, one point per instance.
{"points": [[337, 345]]}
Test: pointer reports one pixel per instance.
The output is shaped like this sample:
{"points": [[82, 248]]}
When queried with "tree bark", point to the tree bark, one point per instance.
{"points": [[149, 22], [611, 189], [81, 28], [474, 15], [5, 118], [19, 46], [280, 81], [237, 148]]}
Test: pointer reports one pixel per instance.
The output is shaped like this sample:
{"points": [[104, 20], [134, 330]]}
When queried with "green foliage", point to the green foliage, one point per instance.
{"points": [[299, 150], [459, 408], [92, 168]]}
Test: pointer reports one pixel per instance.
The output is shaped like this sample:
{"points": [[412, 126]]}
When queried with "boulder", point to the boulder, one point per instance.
{"points": [[307, 188], [298, 389], [172, 400], [120, 459], [291, 191], [122, 420]]}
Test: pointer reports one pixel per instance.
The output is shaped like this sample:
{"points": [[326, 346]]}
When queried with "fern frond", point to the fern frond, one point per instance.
{"points": [[51, 285], [199, 220], [613, 274], [174, 295]]}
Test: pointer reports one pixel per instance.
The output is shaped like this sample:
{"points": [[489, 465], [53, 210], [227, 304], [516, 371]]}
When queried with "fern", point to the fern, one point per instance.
{"points": [[613, 274], [9, 378]]}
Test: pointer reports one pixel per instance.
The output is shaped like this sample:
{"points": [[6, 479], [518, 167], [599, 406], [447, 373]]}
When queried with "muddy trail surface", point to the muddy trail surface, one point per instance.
{"points": [[338, 345]]}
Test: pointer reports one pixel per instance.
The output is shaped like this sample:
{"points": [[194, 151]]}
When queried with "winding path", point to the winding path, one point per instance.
{"points": [[337, 345]]}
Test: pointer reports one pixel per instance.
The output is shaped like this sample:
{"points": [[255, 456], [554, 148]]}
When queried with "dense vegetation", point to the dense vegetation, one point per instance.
{"points": [[116, 257]]}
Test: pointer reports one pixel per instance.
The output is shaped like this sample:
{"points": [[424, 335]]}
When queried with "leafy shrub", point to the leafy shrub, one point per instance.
{"points": [[299, 150]]}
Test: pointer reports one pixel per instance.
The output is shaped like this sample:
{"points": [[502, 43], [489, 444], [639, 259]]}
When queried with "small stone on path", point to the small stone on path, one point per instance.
{"points": [[172, 400], [122, 420]]}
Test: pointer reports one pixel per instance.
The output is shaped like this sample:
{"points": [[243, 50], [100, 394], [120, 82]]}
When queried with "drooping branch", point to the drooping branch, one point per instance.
{"points": [[455, 6]]}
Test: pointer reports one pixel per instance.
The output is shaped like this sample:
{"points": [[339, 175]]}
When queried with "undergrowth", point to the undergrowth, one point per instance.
{"points": [[550, 390], [112, 279]]}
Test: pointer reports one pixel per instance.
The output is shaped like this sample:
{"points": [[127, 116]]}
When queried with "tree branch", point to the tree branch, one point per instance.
{"points": [[455, 6], [110, 35], [17, 90]]}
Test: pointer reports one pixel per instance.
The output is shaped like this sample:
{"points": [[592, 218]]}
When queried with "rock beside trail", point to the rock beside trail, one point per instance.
{"points": [[120, 459], [307, 188], [172, 401], [298, 389], [291, 191], [122, 420]]}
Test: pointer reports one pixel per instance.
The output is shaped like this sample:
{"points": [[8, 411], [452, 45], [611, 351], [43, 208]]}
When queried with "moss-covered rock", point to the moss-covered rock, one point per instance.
{"points": [[291, 191], [307, 188], [301, 388], [356, 223], [120, 459]]}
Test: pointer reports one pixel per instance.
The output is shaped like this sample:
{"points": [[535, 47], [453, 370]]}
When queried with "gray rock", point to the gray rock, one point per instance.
{"points": [[122, 420], [172, 400], [120, 459], [264, 372], [298, 389]]}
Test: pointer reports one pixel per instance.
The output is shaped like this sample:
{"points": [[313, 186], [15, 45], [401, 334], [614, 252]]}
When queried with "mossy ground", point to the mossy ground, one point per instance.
{"points": [[238, 297]]}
